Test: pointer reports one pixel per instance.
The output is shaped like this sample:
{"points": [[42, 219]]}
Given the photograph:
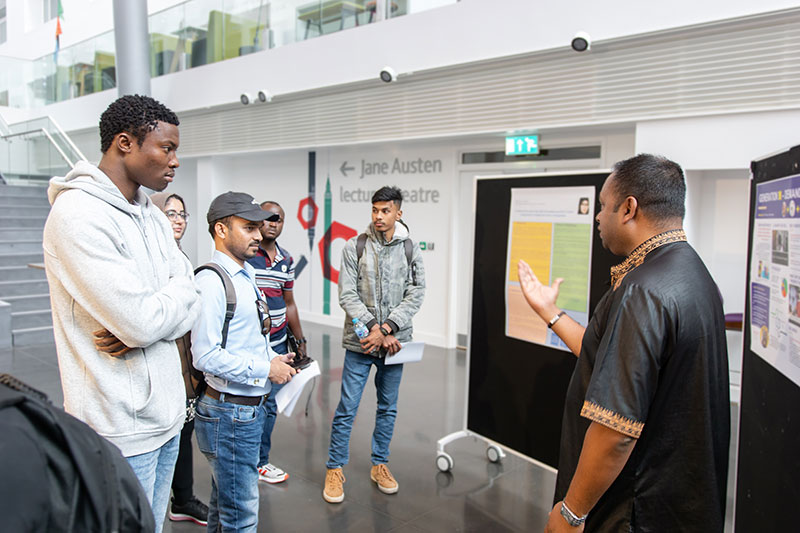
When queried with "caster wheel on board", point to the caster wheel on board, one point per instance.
{"points": [[494, 454], [444, 462]]}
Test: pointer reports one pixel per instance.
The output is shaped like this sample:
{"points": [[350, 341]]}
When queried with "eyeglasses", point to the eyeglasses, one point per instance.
{"points": [[174, 215], [263, 316]]}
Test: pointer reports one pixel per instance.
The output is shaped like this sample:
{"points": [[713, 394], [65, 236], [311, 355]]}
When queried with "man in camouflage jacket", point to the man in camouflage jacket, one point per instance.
{"points": [[383, 287]]}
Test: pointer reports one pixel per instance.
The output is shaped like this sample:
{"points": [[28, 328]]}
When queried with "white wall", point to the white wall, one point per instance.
{"points": [[722, 141]]}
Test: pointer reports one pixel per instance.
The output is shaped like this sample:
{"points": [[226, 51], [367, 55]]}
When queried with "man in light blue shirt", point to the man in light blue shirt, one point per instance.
{"points": [[238, 371]]}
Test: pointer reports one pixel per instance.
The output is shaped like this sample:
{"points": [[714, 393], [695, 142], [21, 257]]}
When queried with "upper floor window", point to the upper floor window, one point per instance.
{"points": [[3, 35], [49, 9]]}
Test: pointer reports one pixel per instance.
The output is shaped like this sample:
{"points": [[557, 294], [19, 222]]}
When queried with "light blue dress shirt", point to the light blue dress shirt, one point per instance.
{"points": [[242, 367]]}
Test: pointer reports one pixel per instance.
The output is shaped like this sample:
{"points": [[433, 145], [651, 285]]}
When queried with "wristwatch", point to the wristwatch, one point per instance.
{"points": [[571, 518], [385, 333]]}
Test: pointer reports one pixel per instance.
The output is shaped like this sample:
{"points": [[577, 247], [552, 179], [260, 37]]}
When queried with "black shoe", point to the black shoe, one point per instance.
{"points": [[193, 510]]}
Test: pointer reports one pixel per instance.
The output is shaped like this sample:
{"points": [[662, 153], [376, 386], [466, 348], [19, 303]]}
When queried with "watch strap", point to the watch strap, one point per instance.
{"points": [[555, 319]]}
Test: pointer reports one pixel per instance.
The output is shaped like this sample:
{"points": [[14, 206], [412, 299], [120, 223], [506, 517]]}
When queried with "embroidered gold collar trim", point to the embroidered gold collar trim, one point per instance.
{"points": [[637, 256]]}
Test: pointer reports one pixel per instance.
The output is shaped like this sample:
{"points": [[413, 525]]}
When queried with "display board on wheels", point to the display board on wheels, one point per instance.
{"points": [[518, 369]]}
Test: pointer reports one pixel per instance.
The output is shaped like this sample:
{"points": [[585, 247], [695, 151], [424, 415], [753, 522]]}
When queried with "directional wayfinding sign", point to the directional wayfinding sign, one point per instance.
{"points": [[522, 145]]}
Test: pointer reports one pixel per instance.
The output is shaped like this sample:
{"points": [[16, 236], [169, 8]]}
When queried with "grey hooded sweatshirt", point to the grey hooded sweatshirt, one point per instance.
{"points": [[111, 264]]}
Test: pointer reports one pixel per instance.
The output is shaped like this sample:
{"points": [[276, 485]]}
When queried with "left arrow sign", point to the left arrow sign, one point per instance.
{"points": [[344, 168]]}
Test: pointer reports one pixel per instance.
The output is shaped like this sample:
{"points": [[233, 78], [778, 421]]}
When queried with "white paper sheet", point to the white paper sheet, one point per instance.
{"points": [[411, 352], [288, 395]]}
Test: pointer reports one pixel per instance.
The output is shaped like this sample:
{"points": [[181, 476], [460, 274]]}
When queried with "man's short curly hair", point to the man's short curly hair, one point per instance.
{"points": [[134, 114]]}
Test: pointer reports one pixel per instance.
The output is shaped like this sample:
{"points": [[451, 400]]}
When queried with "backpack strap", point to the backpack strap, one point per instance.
{"points": [[361, 243], [230, 296], [410, 260]]}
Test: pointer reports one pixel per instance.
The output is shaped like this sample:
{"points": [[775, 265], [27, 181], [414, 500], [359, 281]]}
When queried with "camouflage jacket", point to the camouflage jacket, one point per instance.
{"points": [[379, 287]]}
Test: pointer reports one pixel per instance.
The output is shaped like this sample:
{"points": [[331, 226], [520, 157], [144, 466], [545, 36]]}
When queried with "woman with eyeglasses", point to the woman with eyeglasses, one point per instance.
{"points": [[175, 208], [185, 505]]}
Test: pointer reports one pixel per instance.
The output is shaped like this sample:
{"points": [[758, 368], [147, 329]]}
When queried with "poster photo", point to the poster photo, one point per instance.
{"points": [[551, 228], [775, 276]]}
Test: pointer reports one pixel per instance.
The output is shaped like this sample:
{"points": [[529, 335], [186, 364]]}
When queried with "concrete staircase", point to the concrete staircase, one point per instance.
{"points": [[23, 211]]}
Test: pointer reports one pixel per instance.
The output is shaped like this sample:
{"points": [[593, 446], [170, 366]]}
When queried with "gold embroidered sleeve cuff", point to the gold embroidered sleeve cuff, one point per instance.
{"points": [[610, 419]]}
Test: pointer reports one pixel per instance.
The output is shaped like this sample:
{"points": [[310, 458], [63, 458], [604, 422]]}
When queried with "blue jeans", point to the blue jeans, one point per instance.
{"points": [[229, 434], [272, 413], [354, 377], [154, 471]]}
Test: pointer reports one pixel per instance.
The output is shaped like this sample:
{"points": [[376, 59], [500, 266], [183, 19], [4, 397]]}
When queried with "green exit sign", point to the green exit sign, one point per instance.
{"points": [[520, 145]]}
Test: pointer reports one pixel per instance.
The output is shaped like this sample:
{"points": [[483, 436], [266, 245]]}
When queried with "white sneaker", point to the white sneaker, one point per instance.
{"points": [[270, 473]]}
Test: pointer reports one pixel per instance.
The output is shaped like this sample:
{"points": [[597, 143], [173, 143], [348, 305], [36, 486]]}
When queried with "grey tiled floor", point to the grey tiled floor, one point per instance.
{"points": [[514, 495]]}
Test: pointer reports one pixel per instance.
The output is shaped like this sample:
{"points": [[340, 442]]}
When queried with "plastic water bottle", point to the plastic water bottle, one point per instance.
{"points": [[360, 329]]}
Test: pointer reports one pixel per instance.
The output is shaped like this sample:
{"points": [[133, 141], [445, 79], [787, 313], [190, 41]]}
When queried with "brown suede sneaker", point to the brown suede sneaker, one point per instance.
{"points": [[386, 483], [334, 486]]}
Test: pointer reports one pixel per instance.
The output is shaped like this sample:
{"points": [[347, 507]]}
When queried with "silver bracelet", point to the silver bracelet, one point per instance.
{"points": [[571, 518]]}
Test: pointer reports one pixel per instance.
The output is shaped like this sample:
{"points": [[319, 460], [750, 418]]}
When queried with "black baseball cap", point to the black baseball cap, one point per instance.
{"points": [[238, 204]]}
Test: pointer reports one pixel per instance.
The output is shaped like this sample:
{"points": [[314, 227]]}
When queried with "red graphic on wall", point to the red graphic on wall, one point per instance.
{"points": [[336, 231], [301, 212]]}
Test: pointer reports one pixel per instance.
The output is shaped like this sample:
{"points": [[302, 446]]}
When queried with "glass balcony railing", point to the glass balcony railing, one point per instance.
{"points": [[35, 150], [188, 35]]}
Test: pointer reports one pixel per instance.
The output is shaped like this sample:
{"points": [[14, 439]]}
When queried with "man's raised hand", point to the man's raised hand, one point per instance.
{"points": [[542, 298]]}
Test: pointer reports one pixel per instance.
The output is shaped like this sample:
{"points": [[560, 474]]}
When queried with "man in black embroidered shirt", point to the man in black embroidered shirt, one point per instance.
{"points": [[644, 443]]}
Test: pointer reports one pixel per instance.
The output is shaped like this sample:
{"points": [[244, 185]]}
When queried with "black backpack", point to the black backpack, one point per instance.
{"points": [[58, 474]]}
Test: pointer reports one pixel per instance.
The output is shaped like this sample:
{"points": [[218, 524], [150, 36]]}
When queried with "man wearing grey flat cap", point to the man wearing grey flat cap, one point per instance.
{"points": [[237, 362]]}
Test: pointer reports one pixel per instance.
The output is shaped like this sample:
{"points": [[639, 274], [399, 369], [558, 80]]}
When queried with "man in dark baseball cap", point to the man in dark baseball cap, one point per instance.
{"points": [[239, 371], [238, 204]]}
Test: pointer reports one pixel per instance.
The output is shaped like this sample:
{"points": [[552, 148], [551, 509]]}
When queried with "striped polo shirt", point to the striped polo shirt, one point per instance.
{"points": [[273, 279]]}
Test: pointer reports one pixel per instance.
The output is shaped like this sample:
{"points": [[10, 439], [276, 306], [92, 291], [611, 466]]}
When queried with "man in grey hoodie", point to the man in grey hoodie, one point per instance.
{"points": [[122, 292]]}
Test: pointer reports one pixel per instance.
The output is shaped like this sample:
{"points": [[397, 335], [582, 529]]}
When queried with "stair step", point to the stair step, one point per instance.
{"points": [[16, 210], [31, 319], [22, 288], [20, 234], [21, 246], [21, 258], [13, 199], [12, 273], [23, 190], [28, 302], [21, 221], [31, 336]]}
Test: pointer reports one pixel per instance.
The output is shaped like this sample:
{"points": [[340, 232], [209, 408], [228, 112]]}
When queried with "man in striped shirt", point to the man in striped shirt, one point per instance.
{"points": [[275, 277]]}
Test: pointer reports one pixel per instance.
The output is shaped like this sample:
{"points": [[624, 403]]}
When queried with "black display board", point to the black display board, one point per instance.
{"points": [[768, 477], [516, 388]]}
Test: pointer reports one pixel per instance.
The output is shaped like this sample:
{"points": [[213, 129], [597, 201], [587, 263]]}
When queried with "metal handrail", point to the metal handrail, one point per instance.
{"points": [[60, 151], [21, 133], [69, 141]]}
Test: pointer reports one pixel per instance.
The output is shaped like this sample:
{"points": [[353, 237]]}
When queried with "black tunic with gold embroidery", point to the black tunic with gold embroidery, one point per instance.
{"points": [[654, 365]]}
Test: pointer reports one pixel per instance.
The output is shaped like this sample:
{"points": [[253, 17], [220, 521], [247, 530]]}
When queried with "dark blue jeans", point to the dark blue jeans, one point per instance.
{"points": [[355, 373], [229, 434], [272, 413]]}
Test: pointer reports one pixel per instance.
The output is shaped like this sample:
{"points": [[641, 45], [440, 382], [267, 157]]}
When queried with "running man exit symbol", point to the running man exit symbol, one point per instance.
{"points": [[521, 145]]}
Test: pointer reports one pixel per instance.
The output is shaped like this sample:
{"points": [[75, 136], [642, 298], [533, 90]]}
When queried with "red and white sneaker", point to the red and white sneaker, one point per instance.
{"points": [[270, 473]]}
